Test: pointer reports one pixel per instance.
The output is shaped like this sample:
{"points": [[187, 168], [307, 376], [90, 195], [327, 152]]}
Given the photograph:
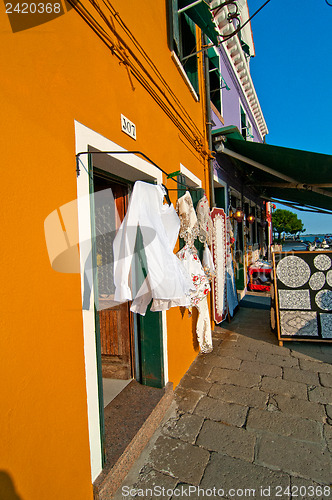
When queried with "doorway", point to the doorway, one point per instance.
{"points": [[115, 321], [95, 156]]}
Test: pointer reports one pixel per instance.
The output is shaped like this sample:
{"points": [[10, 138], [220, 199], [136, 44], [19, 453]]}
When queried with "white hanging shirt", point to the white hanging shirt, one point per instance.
{"points": [[167, 281]]}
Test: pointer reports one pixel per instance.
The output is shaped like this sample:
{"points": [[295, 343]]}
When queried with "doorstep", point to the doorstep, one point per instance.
{"points": [[130, 421]]}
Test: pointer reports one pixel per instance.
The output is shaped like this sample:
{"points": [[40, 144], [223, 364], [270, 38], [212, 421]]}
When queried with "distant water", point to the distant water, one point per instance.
{"points": [[311, 237], [293, 245], [297, 245]]}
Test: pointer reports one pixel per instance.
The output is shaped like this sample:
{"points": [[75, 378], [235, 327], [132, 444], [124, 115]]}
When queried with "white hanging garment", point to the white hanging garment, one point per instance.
{"points": [[204, 221], [203, 328], [189, 225], [164, 277], [205, 235], [188, 255], [208, 264]]}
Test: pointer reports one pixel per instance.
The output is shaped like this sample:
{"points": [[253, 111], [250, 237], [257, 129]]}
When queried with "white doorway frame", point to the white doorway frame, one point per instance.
{"points": [[85, 138]]}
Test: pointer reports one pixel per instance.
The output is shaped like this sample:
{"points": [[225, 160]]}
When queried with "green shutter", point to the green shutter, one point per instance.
{"points": [[181, 191], [201, 15], [151, 349], [196, 195], [215, 78], [150, 327], [97, 326], [176, 26], [188, 39], [219, 194]]}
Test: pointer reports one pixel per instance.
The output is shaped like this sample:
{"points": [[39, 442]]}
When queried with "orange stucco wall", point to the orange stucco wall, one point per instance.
{"points": [[50, 76]]}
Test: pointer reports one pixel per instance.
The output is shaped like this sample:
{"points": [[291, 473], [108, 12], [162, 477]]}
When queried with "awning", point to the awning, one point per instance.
{"points": [[300, 177], [199, 12]]}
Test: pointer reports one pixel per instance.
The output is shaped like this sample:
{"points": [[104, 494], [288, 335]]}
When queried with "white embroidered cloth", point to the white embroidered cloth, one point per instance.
{"points": [[189, 225], [158, 225], [204, 221], [188, 255]]}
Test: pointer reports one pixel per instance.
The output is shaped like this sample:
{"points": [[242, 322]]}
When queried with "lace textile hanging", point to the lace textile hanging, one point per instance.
{"points": [[189, 230], [204, 221]]}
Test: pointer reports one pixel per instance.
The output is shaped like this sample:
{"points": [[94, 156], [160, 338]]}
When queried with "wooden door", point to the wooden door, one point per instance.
{"points": [[115, 321]]}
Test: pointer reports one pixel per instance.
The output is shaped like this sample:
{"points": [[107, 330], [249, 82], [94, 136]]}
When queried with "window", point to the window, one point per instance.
{"points": [[246, 127], [182, 40], [250, 136], [183, 17], [243, 123], [215, 79]]}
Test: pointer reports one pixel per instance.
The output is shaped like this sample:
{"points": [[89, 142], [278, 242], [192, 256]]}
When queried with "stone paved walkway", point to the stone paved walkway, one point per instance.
{"points": [[252, 420]]}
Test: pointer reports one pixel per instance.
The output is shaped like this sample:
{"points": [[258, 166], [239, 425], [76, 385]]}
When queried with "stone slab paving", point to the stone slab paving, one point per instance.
{"points": [[252, 419], [221, 411], [261, 368]]}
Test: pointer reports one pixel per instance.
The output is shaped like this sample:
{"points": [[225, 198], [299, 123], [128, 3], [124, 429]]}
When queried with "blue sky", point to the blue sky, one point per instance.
{"points": [[292, 74]]}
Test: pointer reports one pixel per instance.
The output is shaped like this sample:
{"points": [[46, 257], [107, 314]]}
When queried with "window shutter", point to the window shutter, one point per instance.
{"points": [[176, 27]]}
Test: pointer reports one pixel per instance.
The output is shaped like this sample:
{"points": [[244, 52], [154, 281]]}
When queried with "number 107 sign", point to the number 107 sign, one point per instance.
{"points": [[128, 127]]}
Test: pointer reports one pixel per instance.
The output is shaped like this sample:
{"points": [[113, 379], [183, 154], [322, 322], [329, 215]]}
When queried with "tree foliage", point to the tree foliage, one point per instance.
{"points": [[285, 221]]}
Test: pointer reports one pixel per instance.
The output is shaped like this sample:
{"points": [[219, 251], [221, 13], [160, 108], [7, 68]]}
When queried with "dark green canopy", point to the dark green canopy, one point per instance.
{"points": [[199, 12], [300, 177]]}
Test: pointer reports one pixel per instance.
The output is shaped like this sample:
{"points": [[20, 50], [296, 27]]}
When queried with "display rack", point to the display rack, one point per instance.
{"points": [[301, 296]]}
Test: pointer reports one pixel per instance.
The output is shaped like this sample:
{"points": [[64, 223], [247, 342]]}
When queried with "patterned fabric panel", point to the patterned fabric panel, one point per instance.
{"points": [[298, 323], [326, 325], [293, 271], [322, 262], [294, 299], [317, 281]]}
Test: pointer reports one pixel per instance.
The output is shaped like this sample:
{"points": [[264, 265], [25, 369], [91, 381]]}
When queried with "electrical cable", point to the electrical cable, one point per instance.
{"points": [[147, 58], [168, 176], [196, 142], [237, 30]]}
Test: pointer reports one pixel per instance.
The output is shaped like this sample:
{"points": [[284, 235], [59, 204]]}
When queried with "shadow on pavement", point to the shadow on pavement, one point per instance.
{"points": [[253, 320]]}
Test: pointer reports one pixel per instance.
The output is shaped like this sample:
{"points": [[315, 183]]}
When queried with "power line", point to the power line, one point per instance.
{"points": [[237, 30]]}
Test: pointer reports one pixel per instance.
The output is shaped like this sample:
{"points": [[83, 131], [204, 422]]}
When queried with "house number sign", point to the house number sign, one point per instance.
{"points": [[128, 127]]}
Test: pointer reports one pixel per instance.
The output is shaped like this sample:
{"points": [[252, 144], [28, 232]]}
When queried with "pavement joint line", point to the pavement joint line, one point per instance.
{"points": [[198, 433], [244, 426], [310, 388], [260, 384], [273, 402], [256, 448], [209, 461]]}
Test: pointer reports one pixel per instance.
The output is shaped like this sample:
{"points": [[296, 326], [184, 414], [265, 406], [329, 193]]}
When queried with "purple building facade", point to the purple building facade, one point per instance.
{"points": [[236, 115], [233, 98]]}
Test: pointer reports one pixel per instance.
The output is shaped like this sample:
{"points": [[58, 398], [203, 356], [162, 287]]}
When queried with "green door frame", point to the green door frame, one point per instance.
{"points": [[96, 308], [149, 328]]}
